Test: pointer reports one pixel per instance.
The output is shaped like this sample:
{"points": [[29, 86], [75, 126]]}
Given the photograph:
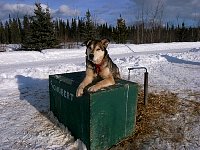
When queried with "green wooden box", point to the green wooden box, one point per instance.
{"points": [[99, 119]]}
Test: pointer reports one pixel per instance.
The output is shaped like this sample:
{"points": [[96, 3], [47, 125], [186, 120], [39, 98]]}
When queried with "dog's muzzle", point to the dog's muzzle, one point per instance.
{"points": [[91, 56]]}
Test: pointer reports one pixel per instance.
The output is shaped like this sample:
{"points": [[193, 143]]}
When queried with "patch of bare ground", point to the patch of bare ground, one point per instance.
{"points": [[167, 122]]}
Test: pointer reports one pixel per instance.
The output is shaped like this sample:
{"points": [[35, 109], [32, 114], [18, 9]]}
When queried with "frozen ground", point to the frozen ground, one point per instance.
{"points": [[25, 120]]}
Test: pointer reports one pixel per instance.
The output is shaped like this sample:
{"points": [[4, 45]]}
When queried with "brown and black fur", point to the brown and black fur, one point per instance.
{"points": [[98, 64]]}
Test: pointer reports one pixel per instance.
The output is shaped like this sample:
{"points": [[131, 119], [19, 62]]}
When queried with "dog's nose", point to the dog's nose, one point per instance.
{"points": [[91, 56]]}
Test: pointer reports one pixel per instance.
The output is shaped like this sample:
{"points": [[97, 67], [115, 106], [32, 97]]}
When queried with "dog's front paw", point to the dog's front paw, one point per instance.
{"points": [[79, 92], [93, 88]]}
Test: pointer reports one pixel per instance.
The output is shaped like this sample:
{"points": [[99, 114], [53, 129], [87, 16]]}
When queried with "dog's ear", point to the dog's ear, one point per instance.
{"points": [[105, 42], [86, 43]]}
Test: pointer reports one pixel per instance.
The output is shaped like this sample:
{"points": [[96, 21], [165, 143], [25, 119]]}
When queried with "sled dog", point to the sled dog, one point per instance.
{"points": [[98, 65]]}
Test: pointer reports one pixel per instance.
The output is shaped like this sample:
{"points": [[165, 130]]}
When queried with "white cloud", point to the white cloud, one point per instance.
{"points": [[17, 7], [100, 21], [44, 7], [15, 10], [19, 10], [65, 10]]}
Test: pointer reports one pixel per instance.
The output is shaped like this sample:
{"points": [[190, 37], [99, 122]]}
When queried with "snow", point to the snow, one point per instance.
{"points": [[25, 120]]}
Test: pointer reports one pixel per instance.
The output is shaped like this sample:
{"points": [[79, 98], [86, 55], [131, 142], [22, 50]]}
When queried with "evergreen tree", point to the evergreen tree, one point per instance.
{"points": [[89, 31], [73, 30], [62, 30], [7, 33], [42, 33], [121, 31], [20, 30], [25, 34], [15, 32], [67, 29], [2, 34], [38, 32], [80, 29]]}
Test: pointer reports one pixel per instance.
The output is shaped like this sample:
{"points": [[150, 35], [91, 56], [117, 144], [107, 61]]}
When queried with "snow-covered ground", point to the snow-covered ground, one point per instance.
{"points": [[25, 120]]}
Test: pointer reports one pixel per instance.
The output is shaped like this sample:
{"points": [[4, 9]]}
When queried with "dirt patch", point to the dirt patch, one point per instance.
{"points": [[167, 122]]}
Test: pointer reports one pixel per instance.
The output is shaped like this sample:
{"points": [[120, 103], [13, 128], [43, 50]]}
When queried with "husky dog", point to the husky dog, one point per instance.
{"points": [[98, 64]]}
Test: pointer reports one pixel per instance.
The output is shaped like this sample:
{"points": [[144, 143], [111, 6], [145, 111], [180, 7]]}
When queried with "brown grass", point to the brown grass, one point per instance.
{"points": [[162, 119]]}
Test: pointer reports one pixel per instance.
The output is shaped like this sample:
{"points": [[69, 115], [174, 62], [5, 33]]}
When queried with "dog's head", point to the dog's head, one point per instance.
{"points": [[96, 50]]}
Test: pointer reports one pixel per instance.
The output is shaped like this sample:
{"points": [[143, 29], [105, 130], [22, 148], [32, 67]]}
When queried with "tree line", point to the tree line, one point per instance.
{"points": [[40, 31]]}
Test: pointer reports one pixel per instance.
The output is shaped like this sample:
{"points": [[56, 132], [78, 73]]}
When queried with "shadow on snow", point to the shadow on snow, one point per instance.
{"points": [[180, 61], [35, 91]]}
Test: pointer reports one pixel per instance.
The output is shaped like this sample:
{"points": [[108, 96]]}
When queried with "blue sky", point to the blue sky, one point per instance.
{"points": [[173, 11]]}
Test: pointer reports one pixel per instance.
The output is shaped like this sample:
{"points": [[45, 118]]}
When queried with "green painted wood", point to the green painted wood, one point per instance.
{"points": [[99, 119]]}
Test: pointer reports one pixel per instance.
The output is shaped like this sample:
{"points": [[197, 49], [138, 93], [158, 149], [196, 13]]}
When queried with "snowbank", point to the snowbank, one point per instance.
{"points": [[25, 121]]}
